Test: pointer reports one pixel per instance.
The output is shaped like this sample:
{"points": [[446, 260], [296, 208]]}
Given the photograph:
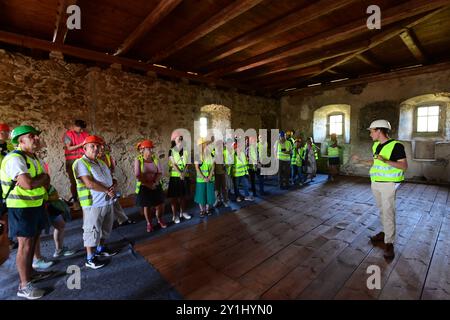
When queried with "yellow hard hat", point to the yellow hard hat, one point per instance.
{"points": [[202, 141]]}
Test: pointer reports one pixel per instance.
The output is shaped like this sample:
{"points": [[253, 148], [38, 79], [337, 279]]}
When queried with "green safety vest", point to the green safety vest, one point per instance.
{"points": [[314, 148], [181, 162], [206, 168], [240, 167], [381, 171], [296, 159], [19, 197], [141, 161], [228, 161], [332, 152], [252, 157], [263, 153], [9, 148], [84, 194], [282, 156]]}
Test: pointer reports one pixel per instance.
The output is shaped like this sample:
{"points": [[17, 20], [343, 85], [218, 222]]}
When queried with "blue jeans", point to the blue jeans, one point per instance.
{"points": [[297, 174], [238, 180]]}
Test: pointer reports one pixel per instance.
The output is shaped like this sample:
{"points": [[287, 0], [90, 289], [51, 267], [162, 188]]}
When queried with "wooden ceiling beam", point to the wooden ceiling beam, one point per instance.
{"points": [[232, 11], [286, 77], [332, 71], [413, 45], [306, 61], [387, 35], [272, 29], [34, 43], [292, 81], [369, 61], [392, 15], [163, 8], [60, 33], [405, 72]]}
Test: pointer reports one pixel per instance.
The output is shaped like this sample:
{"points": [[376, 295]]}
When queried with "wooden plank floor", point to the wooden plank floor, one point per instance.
{"points": [[312, 243]]}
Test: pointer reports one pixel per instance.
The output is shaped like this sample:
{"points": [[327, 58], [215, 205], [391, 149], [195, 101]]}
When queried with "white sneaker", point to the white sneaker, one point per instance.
{"points": [[176, 219], [226, 204], [64, 251], [30, 292], [42, 263], [249, 198], [185, 215]]}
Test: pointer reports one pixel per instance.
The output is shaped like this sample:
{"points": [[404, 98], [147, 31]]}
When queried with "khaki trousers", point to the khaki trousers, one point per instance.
{"points": [[384, 194]]}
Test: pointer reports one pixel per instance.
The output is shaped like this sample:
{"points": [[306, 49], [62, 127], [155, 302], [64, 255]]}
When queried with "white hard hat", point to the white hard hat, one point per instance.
{"points": [[380, 124]]}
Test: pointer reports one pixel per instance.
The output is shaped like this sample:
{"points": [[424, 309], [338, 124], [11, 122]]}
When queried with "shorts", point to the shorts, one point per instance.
{"points": [[334, 161], [26, 222]]}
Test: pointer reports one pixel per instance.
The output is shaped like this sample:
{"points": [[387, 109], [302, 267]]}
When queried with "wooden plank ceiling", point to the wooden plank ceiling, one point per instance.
{"points": [[261, 47]]}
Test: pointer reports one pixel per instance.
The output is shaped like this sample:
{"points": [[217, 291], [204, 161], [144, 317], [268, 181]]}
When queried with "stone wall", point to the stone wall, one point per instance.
{"points": [[122, 107], [392, 100]]}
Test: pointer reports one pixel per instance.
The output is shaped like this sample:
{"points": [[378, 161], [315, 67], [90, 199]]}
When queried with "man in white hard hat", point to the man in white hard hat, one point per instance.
{"points": [[387, 171]]}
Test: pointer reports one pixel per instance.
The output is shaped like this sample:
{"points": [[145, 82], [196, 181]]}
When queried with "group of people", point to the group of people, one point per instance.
{"points": [[298, 160], [33, 204]]}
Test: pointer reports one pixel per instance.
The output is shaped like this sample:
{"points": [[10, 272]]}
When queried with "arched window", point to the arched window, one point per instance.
{"points": [[332, 118]]}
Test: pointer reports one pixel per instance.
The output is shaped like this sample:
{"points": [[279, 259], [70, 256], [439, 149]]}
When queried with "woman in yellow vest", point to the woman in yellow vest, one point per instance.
{"points": [[283, 149], [334, 161], [149, 191], [310, 157], [297, 163], [386, 173], [204, 188]]}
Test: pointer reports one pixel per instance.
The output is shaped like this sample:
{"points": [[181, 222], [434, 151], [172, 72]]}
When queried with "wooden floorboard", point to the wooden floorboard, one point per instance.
{"points": [[312, 243]]}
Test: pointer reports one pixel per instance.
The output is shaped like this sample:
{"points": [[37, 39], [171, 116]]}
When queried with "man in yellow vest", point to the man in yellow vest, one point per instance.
{"points": [[283, 150], [24, 184], [240, 173], [387, 172], [97, 194], [333, 150]]}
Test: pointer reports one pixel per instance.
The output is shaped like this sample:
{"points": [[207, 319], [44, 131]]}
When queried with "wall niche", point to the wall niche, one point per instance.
{"points": [[388, 110]]}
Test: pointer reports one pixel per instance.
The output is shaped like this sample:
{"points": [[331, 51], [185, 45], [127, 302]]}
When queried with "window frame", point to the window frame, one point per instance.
{"points": [[343, 124], [441, 119]]}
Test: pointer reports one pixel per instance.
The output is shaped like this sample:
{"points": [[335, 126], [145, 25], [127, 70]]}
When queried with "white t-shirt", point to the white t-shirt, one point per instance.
{"points": [[101, 173], [16, 165]]}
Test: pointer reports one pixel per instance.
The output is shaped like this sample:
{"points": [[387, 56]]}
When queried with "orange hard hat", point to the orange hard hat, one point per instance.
{"points": [[145, 144], [4, 127], [93, 139]]}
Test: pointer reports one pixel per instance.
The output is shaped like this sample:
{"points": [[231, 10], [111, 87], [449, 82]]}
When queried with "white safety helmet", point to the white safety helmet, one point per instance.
{"points": [[380, 124]]}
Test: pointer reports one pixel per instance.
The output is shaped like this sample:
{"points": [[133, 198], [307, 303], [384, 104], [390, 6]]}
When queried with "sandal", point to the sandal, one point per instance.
{"points": [[202, 214]]}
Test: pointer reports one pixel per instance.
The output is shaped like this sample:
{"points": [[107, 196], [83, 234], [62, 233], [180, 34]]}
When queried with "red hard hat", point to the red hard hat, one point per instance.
{"points": [[145, 144], [93, 139], [4, 127]]}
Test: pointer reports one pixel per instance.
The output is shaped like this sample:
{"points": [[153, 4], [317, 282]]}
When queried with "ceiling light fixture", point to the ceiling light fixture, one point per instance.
{"points": [[339, 80], [160, 66]]}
